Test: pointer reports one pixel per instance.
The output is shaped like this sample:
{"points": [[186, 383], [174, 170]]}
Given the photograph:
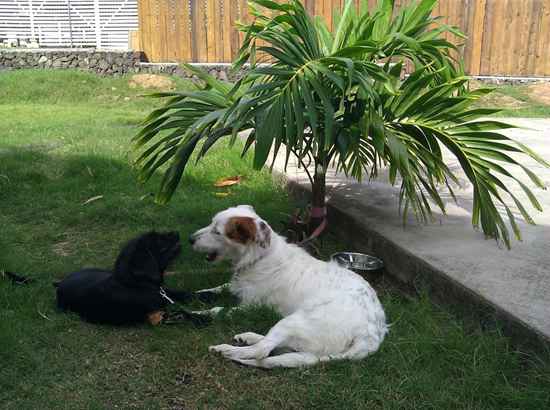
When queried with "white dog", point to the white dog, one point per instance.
{"points": [[329, 311]]}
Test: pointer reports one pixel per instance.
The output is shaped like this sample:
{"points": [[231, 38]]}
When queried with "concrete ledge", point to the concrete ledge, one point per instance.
{"points": [[221, 71], [413, 271]]}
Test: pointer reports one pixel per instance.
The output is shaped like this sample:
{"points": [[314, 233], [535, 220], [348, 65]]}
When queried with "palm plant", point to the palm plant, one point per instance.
{"points": [[340, 98]]}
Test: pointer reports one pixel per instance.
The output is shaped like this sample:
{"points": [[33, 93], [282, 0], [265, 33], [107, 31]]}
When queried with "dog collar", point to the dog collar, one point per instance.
{"points": [[165, 295], [244, 267]]}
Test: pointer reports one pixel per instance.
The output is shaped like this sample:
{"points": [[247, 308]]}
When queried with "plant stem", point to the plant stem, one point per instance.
{"points": [[318, 194]]}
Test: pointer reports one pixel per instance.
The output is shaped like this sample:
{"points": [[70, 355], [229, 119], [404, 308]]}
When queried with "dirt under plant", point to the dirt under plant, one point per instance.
{"points": [[495, 99], [155, 81], [540, 92]]}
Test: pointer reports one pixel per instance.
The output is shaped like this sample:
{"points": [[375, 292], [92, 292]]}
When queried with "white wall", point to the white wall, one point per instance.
{"points": [[69, 23]]}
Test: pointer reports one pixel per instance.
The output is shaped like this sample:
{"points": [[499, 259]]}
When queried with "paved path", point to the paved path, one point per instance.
{"points": [[517, 282]]}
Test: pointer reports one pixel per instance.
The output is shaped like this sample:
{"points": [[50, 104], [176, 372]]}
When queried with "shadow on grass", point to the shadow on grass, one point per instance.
{"points": [[63, 212]]}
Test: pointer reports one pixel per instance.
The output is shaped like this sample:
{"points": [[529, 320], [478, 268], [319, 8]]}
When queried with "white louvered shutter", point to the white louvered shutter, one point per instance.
{"points": [[69, 23]]}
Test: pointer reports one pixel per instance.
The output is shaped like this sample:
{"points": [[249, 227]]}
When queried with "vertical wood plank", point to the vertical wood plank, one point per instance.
{"points": [[477, 36], [542, 58], [242, 16], [210, 30], [200, 33], [187, 32], [193, 12], [468, 10], [171, 40], [227, 28], [178, 18], [234, 16], [161, 29], [509, 34], [527, 22], [327, 14], [534, 33], [146, 39], [516, 42], [143, 19], [155, 44], [494, 53], [546, 24]]}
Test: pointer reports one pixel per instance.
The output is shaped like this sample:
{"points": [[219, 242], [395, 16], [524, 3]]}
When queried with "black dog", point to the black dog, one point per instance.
{"points": [[133, 293]]}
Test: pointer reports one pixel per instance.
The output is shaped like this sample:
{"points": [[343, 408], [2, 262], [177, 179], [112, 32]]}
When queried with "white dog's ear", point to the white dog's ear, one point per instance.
{"points": [[244, 229], [264, 235]]}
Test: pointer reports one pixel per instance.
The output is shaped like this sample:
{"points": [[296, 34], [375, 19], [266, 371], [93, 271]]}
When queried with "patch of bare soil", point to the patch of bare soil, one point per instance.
{"points": [[155, 81], [540, 92], [475, 84], [502, 101]]}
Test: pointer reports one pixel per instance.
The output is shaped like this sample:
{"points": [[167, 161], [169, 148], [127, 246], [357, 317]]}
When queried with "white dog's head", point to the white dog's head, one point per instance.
{"points": [[233, 234]]}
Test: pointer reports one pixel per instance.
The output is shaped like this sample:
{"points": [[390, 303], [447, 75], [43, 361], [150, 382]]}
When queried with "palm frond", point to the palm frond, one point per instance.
{"points": [[171, 133], [342, 97]]}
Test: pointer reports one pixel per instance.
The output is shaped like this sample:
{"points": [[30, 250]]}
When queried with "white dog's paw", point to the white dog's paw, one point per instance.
{"points": [[213, 312], [223, 348], [248, 338], [237, 352]]}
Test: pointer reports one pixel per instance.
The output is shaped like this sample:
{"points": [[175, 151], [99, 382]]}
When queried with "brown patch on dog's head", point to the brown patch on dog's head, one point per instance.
{"points": [[241, 229]]}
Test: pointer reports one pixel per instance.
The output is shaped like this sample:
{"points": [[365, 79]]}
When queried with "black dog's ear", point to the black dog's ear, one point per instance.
{"points": [[136, 262]]}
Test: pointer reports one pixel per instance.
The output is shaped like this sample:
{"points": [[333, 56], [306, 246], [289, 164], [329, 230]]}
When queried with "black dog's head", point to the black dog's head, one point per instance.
{"points": [[143, 260]]}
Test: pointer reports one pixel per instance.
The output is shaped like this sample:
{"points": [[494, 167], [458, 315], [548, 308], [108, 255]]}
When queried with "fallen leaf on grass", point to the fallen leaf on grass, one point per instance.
{"points": [[92, 199], [43, 315], [143, 197], [62, 248], [228, 181], [222, 194]]}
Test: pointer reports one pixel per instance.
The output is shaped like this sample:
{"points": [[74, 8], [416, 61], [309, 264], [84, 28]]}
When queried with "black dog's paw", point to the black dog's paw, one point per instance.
{"points": [[184, 316], [200, 320]]}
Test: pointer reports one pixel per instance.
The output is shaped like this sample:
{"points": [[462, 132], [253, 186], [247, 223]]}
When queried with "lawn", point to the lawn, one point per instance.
{"points": [[64, 139], [527, 100]]}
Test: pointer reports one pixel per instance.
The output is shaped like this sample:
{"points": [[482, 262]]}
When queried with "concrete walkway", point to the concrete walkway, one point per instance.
{"points": [[450, 253]]}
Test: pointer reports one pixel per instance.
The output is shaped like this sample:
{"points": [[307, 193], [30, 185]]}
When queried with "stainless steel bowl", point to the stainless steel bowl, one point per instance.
{"points": [[358, 261]]}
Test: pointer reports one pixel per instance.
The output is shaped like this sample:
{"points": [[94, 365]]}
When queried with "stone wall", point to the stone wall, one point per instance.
{"points": [[101, 62]]}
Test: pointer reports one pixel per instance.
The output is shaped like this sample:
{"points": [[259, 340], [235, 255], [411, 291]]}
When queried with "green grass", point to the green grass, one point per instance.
{"points": [[64, 139], [515, 101]]}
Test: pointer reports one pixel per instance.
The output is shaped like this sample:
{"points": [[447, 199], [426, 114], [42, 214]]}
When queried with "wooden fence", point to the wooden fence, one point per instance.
{"points": [[505, 37]]}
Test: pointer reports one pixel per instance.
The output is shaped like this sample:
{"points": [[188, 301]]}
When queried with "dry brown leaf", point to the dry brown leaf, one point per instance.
{"points": [[92, 199], [228, 181]]}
